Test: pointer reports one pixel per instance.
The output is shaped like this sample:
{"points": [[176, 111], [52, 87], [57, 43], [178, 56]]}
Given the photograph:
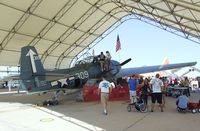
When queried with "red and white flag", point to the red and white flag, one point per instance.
{"points": [[118, 44]]}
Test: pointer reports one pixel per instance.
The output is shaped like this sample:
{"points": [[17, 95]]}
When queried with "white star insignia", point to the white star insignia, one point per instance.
{"points": [[63, 82]]}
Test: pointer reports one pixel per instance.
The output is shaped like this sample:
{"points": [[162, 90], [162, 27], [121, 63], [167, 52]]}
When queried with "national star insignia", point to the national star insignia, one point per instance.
{"points": [[62, 82]]}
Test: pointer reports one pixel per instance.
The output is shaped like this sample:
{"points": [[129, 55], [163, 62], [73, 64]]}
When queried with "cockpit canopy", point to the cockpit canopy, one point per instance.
{"points": [[87, 60]]}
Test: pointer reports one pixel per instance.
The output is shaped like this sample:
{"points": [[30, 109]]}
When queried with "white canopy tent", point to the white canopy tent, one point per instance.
{"points": [[63, 30]]}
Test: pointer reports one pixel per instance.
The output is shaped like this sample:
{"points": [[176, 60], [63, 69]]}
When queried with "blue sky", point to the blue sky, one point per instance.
{"points": [[149, 45]]}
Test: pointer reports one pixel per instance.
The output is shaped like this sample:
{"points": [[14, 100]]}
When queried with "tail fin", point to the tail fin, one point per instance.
{"points": [[31, 64], [169, 72], [32, 73], [165, 61]]}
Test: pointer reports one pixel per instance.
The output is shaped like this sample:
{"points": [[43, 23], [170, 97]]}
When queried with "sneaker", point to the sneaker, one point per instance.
{"points": [[105, 113], [162, 110], [151, 110]]}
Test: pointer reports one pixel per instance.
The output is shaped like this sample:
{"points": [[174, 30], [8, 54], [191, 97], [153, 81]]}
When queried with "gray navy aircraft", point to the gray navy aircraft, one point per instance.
{"points": [[35, 79]]}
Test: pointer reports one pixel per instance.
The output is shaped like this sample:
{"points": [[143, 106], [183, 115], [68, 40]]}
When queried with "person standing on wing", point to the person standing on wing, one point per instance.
{"points": [[102, 58], [107, 61]]}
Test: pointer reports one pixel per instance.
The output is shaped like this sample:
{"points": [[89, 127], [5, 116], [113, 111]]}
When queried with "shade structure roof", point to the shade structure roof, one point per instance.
{"points": [[63, 30]]}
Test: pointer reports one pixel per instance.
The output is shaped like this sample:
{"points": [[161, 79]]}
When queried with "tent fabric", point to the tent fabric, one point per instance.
{"points": [[63, 29]]}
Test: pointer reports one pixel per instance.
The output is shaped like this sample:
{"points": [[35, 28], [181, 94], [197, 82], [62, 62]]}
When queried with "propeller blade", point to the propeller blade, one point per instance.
{"points": [[125, 62]]}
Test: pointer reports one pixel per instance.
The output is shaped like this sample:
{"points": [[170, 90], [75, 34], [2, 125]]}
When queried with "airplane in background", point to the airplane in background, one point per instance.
{"points": [[168, 72], [35, 79]]}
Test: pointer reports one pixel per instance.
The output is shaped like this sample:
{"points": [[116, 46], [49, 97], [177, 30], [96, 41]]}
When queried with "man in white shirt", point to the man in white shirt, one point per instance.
{"points": [[105, 87], [156, 86]]}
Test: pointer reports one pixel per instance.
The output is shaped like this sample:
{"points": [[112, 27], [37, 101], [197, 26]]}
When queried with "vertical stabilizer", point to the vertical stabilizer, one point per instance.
{"points": [[165, 61], [32, 73], [31, 64]]}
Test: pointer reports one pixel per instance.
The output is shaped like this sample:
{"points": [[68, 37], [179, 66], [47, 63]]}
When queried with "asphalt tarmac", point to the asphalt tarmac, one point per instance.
{"points": [[20, 113]]}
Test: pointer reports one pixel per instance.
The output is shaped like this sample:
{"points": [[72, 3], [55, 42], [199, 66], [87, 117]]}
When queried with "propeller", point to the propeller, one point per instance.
{"points": [[116, 68], [125, 62]]}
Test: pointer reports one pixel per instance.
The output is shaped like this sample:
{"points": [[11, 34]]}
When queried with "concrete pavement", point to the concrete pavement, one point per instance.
{"points": [[118, 118]]}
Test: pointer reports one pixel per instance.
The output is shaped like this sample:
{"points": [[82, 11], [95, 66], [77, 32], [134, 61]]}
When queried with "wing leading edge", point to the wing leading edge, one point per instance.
{"points": [[146, 69]]}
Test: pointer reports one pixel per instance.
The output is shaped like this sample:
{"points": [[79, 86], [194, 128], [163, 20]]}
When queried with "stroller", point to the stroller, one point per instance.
{"points": [[139, 105]]}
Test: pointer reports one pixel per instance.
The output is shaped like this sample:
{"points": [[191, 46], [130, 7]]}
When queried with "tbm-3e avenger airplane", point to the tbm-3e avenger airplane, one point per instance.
{"points": [[35, 79]]}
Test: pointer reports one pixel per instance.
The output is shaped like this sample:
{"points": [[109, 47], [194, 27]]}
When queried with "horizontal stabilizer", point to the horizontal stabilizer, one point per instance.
{"points": [[13, 92]]}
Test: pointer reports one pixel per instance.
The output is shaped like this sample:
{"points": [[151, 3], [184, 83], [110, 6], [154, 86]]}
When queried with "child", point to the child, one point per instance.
{"points": [[182, 102]]}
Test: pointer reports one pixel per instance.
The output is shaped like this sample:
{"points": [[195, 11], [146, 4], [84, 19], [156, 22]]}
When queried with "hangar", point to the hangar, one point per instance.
{"points": [[63, 30]]}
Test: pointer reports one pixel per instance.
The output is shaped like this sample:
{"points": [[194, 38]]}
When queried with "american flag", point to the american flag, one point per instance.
{"points": [[118, 44]]}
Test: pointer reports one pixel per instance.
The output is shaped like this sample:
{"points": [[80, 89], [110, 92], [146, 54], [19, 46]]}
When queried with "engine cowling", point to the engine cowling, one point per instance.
{"points": [[114, 67]]}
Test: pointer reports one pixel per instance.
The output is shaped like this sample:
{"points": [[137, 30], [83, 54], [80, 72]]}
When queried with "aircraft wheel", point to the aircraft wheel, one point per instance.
{"points": [[45, 103], [55, 102]]}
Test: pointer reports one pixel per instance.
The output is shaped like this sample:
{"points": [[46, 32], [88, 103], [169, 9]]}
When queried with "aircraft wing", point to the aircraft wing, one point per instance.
{"points": [[146, 69]]}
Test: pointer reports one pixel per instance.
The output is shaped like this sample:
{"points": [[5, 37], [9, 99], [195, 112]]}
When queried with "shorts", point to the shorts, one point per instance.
{"points": [[104, 97], [132, 93], [156, 97]]}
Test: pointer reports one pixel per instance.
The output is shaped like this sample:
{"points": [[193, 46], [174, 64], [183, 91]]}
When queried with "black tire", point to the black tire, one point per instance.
{"points": [[55, 102], [144, 109], [45, 103], [129, 108], [194, 110]]}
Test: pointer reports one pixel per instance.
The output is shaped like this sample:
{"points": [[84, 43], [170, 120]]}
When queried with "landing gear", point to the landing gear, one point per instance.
{"points": [[52, 102]]}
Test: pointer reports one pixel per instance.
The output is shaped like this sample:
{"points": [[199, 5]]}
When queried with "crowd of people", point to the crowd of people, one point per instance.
{"points": [[154, 87]]}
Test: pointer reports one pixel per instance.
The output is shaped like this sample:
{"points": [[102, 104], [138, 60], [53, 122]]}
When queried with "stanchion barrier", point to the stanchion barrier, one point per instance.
{"points": [[119, 93], [90, 93]]}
